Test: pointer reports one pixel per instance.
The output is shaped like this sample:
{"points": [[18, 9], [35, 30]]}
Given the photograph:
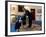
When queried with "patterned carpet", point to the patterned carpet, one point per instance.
{"points": [[34, 27]]}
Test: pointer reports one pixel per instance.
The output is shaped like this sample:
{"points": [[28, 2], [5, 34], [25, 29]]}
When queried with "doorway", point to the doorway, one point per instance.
{"points": [[33, 14]]}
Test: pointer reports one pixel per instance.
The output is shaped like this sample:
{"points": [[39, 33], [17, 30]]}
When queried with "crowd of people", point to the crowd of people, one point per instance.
{"points": [[22, 19]]}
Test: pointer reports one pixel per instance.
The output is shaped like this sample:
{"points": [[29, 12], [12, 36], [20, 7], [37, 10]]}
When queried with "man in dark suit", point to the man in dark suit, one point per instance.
{"points": [[18, 23], [29, 14]]}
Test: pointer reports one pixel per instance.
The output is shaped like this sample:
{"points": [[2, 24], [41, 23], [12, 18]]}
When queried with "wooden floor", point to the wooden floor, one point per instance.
{"points": [[34, 27]]}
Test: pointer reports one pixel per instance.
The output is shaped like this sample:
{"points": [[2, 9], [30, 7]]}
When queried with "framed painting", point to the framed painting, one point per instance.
{"points": [[21, 18]]}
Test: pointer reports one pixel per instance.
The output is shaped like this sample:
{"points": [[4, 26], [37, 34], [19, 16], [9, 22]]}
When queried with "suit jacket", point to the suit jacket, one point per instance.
{"points": [[27, 13]]}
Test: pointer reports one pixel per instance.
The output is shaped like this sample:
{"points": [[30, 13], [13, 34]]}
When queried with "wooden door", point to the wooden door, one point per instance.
{"points": [[33, 14]]}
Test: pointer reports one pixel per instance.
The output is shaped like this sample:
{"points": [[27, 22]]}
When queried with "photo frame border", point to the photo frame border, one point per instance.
{"points": [[6, 18]]}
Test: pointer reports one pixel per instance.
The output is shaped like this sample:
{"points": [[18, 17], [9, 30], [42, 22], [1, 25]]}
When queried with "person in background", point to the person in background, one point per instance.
{"points": [[29, 14], [13, 25]]}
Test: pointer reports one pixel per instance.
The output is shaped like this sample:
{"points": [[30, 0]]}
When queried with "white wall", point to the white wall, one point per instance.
{"points": [[37, 18], [16, 10]]}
